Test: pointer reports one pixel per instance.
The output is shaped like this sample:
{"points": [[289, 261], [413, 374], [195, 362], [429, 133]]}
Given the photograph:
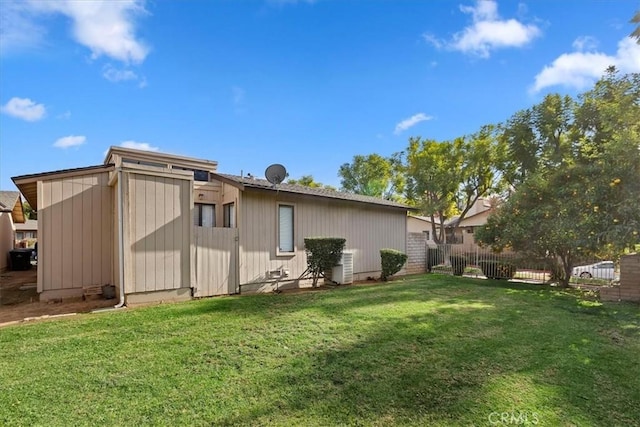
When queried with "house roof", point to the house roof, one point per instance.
{"points": [[263, 184], [421, 218], [29, 225], [28, 184], [164, 159], [476, 220], [10, 201]]}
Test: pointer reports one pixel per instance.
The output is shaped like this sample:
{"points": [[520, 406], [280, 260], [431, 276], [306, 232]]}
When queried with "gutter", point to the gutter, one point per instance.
{"points": [[119, 199]]}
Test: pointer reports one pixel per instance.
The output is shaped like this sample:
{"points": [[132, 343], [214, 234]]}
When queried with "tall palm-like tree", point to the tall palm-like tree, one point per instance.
{"points": [[636, 32]]}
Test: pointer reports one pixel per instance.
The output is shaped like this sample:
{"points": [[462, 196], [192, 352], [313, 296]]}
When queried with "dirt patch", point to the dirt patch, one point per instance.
{"points": [[19, 299]]}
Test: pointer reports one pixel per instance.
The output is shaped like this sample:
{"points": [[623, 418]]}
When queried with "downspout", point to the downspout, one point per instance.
{"points": [[120, 239]]}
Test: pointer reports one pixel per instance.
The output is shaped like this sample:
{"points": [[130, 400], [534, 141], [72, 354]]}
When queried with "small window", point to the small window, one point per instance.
{"points": [[229, 215], [200, 175], [285, 228], [427, 234], [204, 215]]}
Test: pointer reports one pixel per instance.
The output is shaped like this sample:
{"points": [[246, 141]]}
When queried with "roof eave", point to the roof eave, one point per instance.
{"points": [[325, 197]]}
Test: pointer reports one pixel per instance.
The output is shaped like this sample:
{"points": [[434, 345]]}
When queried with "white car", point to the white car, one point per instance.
{"points": [[599, 270]]}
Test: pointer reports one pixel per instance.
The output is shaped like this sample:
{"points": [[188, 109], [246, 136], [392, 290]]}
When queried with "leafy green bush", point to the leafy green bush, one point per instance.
{"points": [[497, 269], [323, 253], [392, 262], [434, 257], [458, 262]]}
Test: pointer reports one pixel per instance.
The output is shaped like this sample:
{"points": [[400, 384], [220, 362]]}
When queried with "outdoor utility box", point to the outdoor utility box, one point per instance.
{"points": [[20, 259], [342, 273]]}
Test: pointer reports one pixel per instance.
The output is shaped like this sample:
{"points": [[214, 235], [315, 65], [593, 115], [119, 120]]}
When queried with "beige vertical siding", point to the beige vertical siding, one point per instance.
{"points": [[158, 240], [6, 239], [216, 253], [367, 228], [75, 219]]}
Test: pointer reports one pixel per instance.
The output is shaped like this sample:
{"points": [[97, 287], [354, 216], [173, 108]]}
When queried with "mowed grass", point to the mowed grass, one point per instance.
{"points": [[428, 350]]}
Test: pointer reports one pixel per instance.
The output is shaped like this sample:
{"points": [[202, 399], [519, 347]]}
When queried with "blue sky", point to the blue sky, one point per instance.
{"points": [[308, 84]]}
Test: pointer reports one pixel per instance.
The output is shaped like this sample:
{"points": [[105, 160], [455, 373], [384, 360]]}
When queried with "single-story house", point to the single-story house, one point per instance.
{"points": [[166, 227], [461, 233], [27, 233], [11, 213], [421, 224]]}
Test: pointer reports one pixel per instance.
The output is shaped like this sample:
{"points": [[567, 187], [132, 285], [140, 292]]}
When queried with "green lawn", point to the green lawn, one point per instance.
{"points": [[429, 350]]}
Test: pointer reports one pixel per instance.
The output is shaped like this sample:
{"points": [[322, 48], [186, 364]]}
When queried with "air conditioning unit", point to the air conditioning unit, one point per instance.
{"points": [[343, 272]]}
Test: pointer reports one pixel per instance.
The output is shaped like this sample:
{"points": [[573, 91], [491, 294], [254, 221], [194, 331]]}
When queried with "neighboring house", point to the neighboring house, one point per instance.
{"points": [[165, 227], [27, 233], [421, 224], [463, 235], [11, 213]]}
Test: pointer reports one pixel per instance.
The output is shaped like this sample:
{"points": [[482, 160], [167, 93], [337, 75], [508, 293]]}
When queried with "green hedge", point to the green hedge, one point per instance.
{"points": [[458, 262], [323, 253], [392, 262], [497, 269]]}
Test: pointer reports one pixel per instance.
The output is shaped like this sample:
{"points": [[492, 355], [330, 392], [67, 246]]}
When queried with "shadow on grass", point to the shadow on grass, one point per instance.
{"points": [[337, 300], [423, 351], [454, 365]]}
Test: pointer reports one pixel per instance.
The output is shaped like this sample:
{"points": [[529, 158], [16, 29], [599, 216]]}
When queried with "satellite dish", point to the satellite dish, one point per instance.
{"points": [[275, 174]]}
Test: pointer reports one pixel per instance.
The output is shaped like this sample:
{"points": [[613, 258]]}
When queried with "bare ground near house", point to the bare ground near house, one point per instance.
{"points": [[19, 299]]}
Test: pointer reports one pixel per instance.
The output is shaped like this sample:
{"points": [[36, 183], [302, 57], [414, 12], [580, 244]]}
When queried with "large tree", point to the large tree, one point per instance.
{"points": [[479, 175], [536, 138], [582, 195], [608, 125], [373, 175], [434, 172], [545, 217], [445, 179]]}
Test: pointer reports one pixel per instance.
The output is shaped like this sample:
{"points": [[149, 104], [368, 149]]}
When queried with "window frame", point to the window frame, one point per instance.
{"points": [[280, 252], [229, 215], [198, 208]]}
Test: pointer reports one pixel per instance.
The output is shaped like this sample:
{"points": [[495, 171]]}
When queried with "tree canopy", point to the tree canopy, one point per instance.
{"points": [[579, 194], [309, 181], [636, 32], [568, 168], [373, 175]]}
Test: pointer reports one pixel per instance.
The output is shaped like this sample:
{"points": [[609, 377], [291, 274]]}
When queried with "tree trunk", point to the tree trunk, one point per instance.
{"points": [[567, 266]]}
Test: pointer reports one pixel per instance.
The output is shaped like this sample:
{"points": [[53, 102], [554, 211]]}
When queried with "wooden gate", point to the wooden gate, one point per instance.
{"points": [[216, 259]]}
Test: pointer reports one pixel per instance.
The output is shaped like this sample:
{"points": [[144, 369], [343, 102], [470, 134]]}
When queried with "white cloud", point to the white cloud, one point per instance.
{"points": [[17, 28], [585, 43], [435, 41], [488, 32], [410, 122], [138, 145], [115, 75], [580, 69], [24, 108], [70, 141], [107, 28]]}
